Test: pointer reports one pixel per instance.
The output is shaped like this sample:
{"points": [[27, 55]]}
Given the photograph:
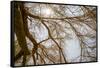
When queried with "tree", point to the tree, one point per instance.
{"points": [[51, 34]]}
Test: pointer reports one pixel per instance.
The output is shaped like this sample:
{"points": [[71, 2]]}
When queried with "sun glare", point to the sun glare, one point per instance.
{"points": [[47, 12]]}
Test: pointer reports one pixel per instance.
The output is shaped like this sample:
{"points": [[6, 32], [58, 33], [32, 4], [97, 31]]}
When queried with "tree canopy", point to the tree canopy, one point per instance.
{"points": [[54, 33]]}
